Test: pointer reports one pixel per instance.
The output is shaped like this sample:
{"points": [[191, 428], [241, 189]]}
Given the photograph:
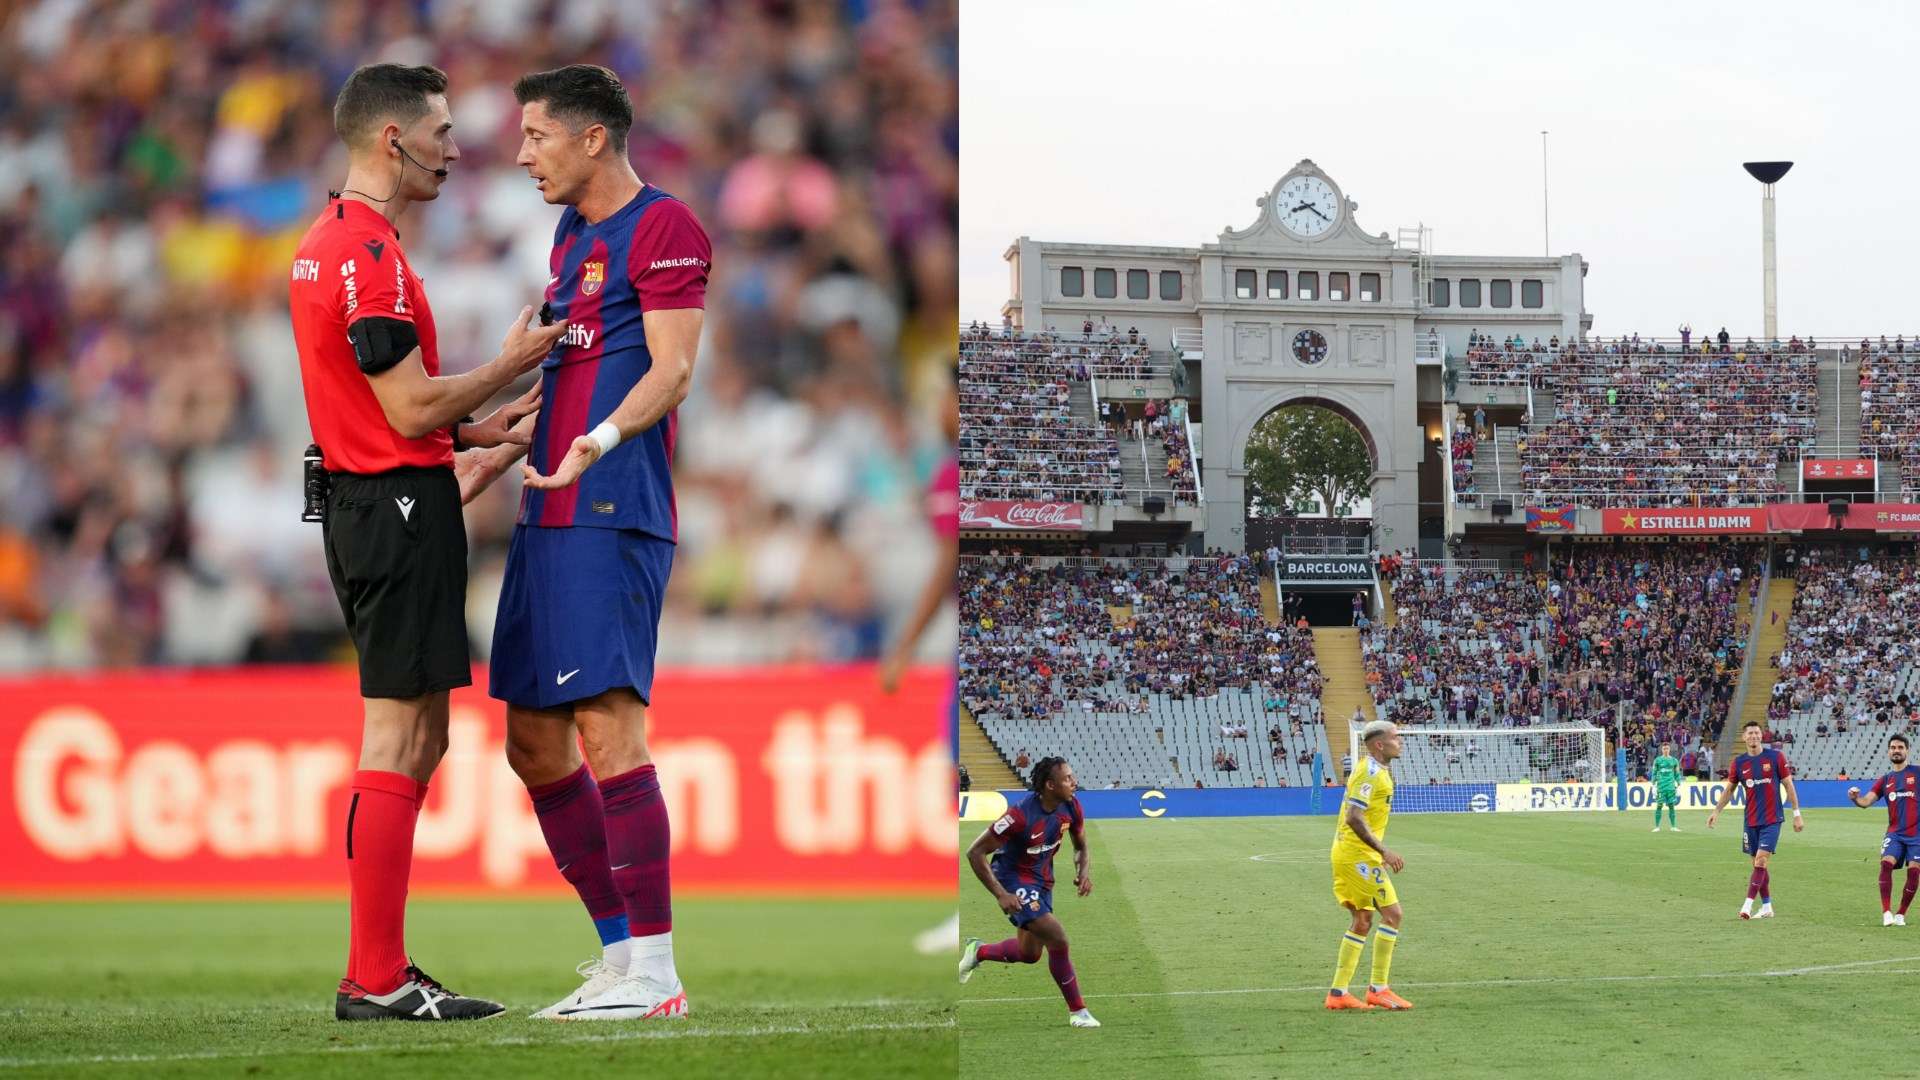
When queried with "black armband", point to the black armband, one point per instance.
{"points": [[380, 342], [453, 430]]}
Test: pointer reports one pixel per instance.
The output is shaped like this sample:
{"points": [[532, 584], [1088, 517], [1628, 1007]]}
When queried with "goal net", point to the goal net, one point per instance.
{"points": [[1460, 768]]}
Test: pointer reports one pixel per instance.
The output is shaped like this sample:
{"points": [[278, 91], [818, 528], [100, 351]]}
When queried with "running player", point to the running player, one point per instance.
{"points": [[1021, 880], [1902, 845], [1666, 786], [1360, 861], [1762, 773]]}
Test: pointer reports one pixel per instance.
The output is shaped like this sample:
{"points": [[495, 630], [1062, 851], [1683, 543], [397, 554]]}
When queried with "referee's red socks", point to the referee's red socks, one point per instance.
{"points": [[380, 819], [637, 840]]}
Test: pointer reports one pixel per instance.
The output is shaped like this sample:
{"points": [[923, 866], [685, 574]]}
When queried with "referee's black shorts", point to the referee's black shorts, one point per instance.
{"points": [[397, 554]]}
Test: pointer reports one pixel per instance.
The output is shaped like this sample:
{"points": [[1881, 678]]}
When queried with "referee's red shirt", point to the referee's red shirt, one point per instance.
{"points": [[348, 267]]}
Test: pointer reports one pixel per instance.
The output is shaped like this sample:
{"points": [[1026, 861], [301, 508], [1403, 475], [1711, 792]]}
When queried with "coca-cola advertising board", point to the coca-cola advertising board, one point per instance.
{"points": [[988, 514], [791, 780]]}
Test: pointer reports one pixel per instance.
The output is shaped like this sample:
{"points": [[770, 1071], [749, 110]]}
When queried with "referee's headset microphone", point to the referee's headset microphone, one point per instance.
{"points": [[441, 173]]}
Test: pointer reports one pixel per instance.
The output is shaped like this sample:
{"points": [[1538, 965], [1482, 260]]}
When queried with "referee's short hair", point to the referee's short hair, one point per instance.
{"points": [[581, 94], [377, 93]]}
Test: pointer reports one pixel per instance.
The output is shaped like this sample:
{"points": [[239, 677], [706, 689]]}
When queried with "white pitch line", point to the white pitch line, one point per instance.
{"points": [[512, 1040], [1824, 969]]}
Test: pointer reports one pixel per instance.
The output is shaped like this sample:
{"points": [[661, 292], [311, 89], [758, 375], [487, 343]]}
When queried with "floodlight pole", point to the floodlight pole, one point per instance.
{"points": [[1768, 173], [1769, 266]]}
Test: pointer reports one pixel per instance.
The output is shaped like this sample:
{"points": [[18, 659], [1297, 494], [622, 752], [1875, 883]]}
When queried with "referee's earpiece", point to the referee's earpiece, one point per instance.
{"points": [[441, 173]]}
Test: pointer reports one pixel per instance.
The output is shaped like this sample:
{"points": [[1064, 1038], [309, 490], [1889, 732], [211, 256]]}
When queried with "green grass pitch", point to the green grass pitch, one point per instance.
{"points": [[1550, 944], [245, 988]]}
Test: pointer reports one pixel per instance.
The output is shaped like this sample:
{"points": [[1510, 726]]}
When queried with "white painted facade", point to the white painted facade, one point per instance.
{"points": [[1259, 300]]}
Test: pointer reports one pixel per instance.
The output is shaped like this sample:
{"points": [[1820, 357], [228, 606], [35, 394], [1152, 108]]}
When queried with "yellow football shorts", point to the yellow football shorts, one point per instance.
{"points": [[1362, 883]]}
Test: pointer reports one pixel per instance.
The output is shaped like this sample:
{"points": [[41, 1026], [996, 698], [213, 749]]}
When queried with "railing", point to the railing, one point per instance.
{"points": [[1429, 350], [1326, 545], [1188, 339], [1598, 498], [1174, 563], [1091, 495], [1193, 454]]}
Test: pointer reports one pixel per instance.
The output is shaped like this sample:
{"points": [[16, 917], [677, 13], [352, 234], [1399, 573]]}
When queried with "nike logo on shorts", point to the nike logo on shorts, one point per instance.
{"points": [[561, 680]]}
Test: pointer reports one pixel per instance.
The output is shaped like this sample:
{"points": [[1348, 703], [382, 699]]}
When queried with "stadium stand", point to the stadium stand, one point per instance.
{"points": [[1670, 427], [1846, 677], [1661, 628], [1890, 407], [1027, 426], [158, 164], [1141, 671], [1466, 648]]}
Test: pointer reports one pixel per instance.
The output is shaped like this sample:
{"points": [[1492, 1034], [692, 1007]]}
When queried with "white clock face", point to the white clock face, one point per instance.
{"points": [[1306, 206]]}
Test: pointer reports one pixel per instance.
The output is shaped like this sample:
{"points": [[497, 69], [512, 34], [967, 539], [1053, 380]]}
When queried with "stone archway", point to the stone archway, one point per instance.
{"points": [[1371, 409], [1276, 522]]}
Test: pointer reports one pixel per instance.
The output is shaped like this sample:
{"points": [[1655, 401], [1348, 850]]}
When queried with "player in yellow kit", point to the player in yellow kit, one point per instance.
{"points": [[1361, 859]]}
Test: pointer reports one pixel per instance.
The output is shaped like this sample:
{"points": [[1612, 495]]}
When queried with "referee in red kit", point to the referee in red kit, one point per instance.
{"points": [[387, 425]]}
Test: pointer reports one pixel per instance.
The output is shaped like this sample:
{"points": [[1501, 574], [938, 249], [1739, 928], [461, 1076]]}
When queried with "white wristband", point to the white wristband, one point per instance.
{"points": [[606, 435], [1796, 811]]}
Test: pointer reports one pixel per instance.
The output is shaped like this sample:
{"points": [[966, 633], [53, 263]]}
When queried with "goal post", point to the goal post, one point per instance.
{"points": [[1442, 769]]}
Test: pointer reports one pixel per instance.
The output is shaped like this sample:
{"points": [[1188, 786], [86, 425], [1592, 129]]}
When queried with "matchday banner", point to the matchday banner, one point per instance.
{"points": [[1694, 795], [1880, 517], [1550, 519], [792, 779], [983, 514], [1635, 522], [977, 808], [1837, 469], [984, 806], [1326, 569]]}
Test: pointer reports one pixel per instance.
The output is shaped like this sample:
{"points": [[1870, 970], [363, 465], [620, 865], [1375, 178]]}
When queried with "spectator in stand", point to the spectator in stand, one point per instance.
{"points": [[1652, 627], [1851, 639], [1465, 649]]}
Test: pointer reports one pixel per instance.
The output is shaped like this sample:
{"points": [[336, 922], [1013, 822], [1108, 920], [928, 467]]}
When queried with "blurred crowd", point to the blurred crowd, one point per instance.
{"points": [[159, 162]]}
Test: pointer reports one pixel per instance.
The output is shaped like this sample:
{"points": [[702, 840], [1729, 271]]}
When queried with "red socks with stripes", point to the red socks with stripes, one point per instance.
{"points": [[380, 819]]}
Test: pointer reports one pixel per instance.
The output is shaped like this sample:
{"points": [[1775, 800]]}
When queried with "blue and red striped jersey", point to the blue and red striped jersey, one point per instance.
{"points": [[649, 255], [1029, 837], [1761, 775], [1902, 791]]}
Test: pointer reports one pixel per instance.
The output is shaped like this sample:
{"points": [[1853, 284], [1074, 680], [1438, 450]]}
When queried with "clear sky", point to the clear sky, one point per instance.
{"points": [[1118, 121]]}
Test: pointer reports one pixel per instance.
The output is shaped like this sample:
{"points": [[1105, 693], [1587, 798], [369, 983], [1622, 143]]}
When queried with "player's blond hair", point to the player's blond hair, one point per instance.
{"points": [[1375, 727]]}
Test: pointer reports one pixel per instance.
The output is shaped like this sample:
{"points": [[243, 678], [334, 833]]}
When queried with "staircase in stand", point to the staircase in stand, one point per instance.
{"points": [[987, 769], [1766, 645], [1337, 648]]}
